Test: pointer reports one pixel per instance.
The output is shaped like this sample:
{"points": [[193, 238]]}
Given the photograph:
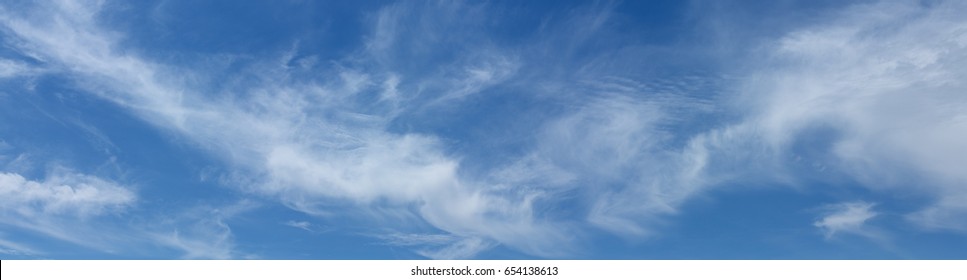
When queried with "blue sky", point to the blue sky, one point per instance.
{"points": [[491, 130]]}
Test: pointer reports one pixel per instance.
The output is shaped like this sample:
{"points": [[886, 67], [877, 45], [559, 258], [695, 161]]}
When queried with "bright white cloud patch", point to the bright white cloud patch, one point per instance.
{"points": [[65, 206], [64, 193]]}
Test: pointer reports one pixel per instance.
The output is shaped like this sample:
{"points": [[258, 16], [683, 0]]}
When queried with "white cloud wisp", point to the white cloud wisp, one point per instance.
{"points": [[305, 140], [849, 217]]}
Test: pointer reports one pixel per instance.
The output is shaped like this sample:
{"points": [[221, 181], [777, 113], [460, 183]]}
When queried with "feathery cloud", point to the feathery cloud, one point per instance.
{"points": [[847, 217]]}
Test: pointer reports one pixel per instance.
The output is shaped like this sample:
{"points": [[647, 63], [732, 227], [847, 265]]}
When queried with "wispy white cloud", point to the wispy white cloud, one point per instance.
{"points": [[439, 246], [308, 226], [323, 145], [895, 110], [434, 48], [303, 138], [413, 239], [318, 140], [93, 216], [474, 76], [63, 193], [11, 248], [605, 141], [462, 249], [945, 214], [11, 68], [304, 225], [889, 83], [848, 218], [95, 213], [201, 232], [617, 144], [65, 205], [403, 33]]}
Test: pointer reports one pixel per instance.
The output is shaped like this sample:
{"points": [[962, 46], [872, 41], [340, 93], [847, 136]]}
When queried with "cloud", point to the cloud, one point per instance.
{"points": [[10, 68], [620, 146], [874, 96], [627, 151], [888, 84], [439, 246], [474, 76], [99, 214], [300, 225], [304, 139], [11, 248], [462, 249], [307, 226], [847, 218], [202, 232], [605, 141], [326, 141], [945, 214], [63, 193], [65, 205]]}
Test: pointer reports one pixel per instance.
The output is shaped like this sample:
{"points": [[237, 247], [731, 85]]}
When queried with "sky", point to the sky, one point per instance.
{"points": [[483, 130]]}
